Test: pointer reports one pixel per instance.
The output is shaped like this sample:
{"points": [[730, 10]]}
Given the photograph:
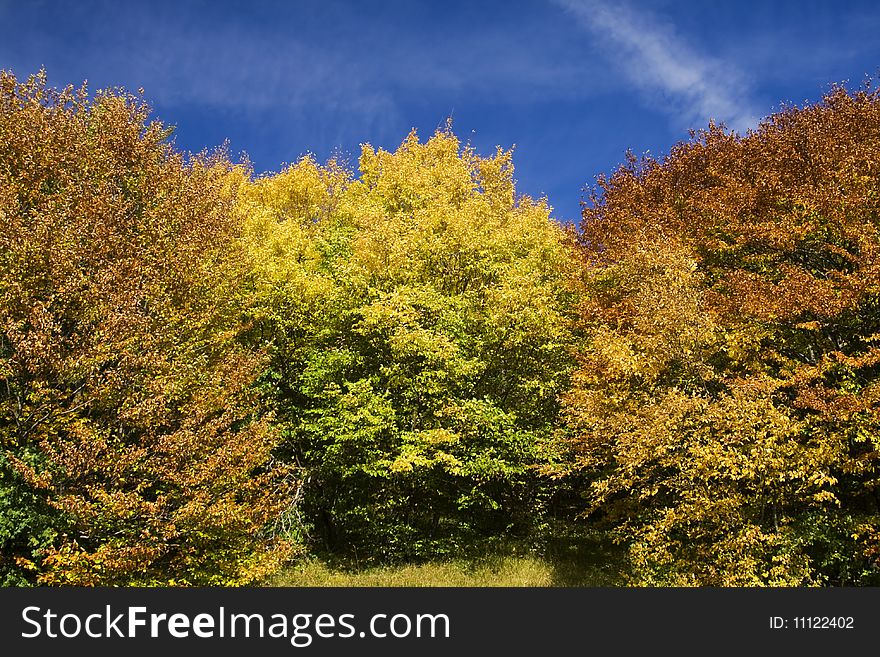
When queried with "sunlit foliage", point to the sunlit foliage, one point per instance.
{"points": [[420, 337], [201, 370], [132, 450], [728, 400]]}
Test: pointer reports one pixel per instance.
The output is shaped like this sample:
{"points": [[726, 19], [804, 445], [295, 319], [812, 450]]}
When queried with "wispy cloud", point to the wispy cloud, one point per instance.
{"points": [[347, 67], [693, 86]]}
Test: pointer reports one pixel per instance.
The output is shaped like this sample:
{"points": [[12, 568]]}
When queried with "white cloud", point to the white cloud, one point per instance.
{"points": [[693, 87]]}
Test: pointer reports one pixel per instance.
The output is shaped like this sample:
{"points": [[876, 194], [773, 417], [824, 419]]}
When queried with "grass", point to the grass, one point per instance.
{"points": [[588, 560], [502, 571]]}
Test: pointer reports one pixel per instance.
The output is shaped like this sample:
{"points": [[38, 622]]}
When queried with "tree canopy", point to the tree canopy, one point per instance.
{"points": [[206, 372], [726, 406], [419, 316], [132, 446]]}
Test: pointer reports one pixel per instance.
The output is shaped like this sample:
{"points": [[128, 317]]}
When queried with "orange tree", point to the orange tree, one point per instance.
{"points": [[132, 449], [727, 405]]}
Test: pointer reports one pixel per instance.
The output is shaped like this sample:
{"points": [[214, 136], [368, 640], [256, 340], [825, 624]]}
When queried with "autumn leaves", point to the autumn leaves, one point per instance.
{"points": [[727, 405], [205, 373], [135, 449]]}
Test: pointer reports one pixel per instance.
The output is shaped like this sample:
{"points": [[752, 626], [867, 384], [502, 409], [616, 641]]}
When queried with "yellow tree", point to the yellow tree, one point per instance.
{"points": [[419, 315]]}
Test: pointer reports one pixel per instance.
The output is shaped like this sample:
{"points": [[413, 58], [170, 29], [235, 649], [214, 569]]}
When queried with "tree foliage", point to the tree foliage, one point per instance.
{"points": [[200, 369], [726, 405], [132, 446], [419, 321]]}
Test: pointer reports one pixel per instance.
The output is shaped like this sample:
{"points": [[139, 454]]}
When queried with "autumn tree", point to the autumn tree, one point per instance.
{"points": [[727, 406], [132, 446], [418, 314]]}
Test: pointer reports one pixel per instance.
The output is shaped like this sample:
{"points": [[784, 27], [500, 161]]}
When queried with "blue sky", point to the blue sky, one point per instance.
{"points": [[571, 83]]}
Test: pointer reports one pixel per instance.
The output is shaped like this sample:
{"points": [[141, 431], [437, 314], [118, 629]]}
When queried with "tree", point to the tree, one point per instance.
{"points": [[726, 405], [419, 317], [133, 449]]}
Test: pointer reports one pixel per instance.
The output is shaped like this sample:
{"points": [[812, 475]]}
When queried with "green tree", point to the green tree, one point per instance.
{"points": [[419, 316]]}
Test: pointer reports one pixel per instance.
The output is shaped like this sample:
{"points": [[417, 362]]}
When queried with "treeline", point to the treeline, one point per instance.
{"points": [[205, 374]]}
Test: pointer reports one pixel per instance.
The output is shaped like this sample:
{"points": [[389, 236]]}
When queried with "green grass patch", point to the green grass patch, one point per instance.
{"points": [[573, 561], [502, 571]]}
